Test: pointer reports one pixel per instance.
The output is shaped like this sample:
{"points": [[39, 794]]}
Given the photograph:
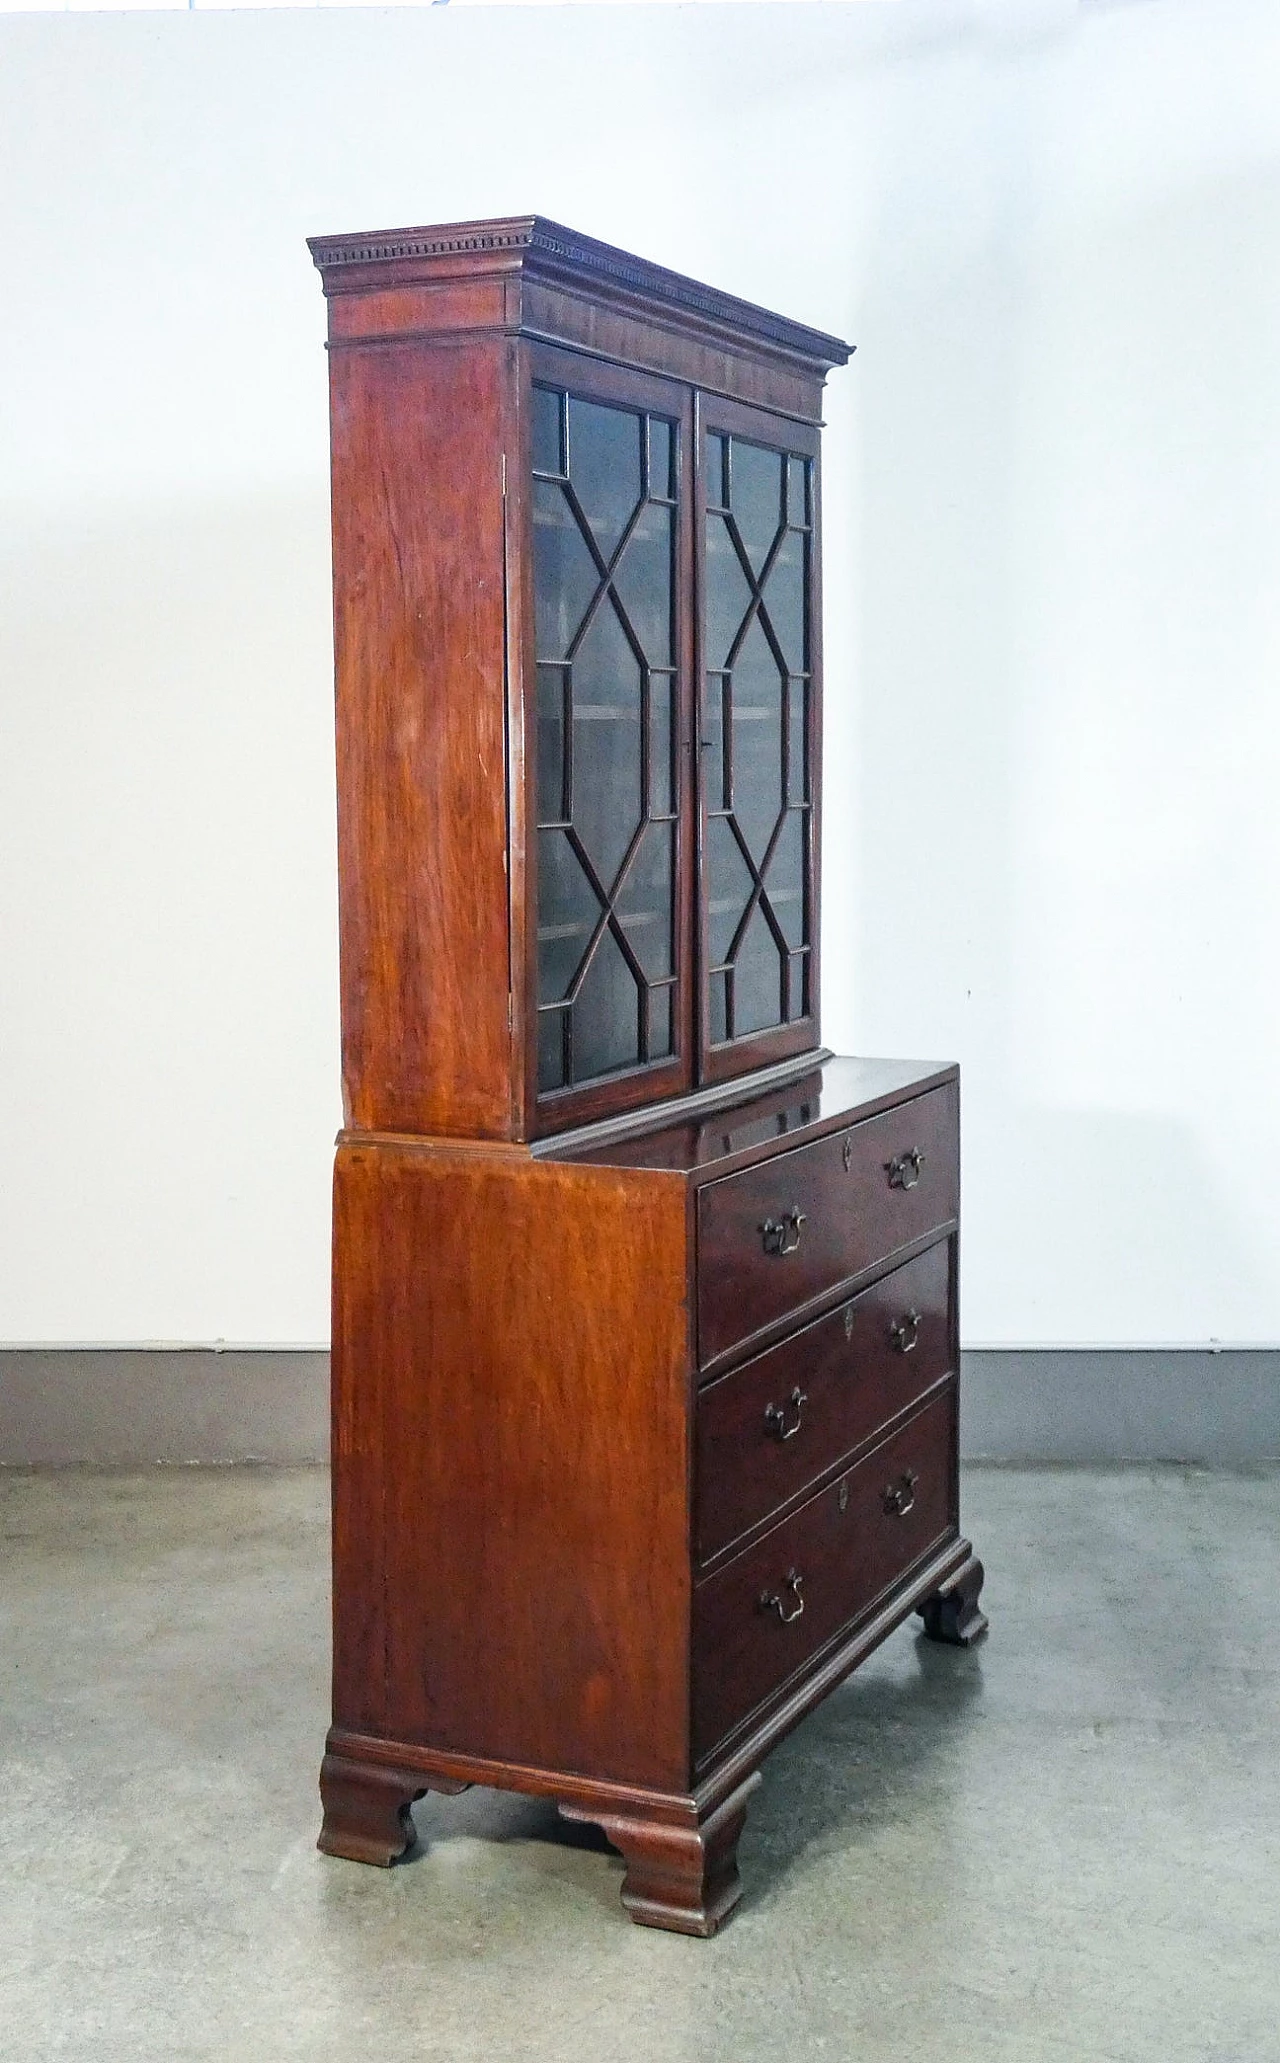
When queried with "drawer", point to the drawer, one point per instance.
{"points": [[779, 1235], [784, 1418], [760, 1619]]}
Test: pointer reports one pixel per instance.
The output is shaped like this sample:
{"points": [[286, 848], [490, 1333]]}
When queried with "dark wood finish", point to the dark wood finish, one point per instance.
{"points": [[511, 1434], [769, 1429], [550, 1543], [840, 1213], [764, 1615], [418, 582], [682, 1875], [718, 1130], [951, 1615], [434, 637], [368, 1808], [558, 285]]}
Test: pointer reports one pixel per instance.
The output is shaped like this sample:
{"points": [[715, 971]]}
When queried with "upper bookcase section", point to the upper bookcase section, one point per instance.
{"points": [[516, 643], [525, 276]]}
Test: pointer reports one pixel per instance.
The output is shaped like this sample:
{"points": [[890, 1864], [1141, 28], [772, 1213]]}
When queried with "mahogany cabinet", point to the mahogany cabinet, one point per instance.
{"points": [[644, 1304]]}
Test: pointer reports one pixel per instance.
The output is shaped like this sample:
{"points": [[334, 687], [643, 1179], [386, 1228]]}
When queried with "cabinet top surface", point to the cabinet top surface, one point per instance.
{"points": [[532, 244], [716, 1141]]}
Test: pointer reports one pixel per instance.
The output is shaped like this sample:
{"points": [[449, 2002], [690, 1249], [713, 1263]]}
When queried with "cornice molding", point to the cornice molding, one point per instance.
{"points": [[532, 243]]}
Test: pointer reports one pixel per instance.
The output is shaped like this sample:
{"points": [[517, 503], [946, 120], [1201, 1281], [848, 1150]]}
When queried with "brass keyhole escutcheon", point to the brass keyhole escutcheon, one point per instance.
{"points": [[843, 1499]]}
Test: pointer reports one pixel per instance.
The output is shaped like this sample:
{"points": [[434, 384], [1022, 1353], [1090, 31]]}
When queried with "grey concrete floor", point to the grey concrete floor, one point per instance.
{"points": [[1064, 1844]]}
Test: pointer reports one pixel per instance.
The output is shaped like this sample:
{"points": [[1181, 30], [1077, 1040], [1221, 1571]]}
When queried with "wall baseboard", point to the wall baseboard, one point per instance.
{"points": [[109, 1407], [129, 1406], [1220, 1406]]}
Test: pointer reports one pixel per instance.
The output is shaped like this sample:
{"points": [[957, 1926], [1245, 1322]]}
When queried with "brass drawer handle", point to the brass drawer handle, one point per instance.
{"points": [[775, 1417], [771, 1600], [782, 1235], [900, 1496], [904, 1169], [904, 1333]]}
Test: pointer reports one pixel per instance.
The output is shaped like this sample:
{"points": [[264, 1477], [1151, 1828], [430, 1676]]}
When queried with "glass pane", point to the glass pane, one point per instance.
{"points": [[757, 979], [719, 1008], [728, 889], [798, 1003], [756, 499], [757, 741], [568, 911], [728, 592], [604, 466], [798, 783], [643, 583], [661, 1031], [784, 599], [551, 767], [606, 1014], [714, 476], [661, 746], [644, 903], [714, 772], [798, 492], [784, 878], [607, 662], [547, 457], [564, 573], [551, 1025], [661, 453], [606, 742]]}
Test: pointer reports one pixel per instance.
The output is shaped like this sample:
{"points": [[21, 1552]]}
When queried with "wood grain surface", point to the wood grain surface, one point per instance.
{"points": [[511, 1460], [788, 1416], [819, 1570], [840, 1211], [419, 610]]}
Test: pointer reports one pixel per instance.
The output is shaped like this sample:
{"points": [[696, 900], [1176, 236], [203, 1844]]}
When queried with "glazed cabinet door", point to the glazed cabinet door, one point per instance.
{"points": [[610, 792], [759, 682]]}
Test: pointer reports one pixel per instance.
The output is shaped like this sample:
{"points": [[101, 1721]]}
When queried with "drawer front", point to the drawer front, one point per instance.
{"points": [[784, 1418], [778, 1235], [759, 1619]]}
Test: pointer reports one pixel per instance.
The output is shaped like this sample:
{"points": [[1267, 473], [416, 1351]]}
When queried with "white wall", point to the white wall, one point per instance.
{"points": [[1053, 519]]}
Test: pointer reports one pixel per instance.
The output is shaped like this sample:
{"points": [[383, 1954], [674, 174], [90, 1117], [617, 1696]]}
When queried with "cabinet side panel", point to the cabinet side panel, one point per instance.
{"points": [[357, 1358], [524, 1330], [420, 658]]}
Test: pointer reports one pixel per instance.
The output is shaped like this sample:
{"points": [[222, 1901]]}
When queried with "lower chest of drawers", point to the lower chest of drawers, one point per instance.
{"points": [[825, 1433], [636, 1455], [766, 1614]]}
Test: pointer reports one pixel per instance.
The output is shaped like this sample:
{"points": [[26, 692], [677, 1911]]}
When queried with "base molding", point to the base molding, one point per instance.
{"points": [[682, 1875], [680, 1851], [680, 1846], [368, 1808]]}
